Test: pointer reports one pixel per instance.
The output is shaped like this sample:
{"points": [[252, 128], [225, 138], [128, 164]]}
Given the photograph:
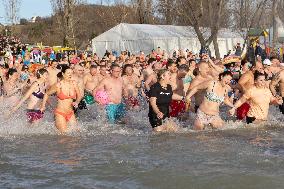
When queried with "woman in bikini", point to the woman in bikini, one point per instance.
{"points": [[12, 88], [216, 94], [35, 95], [68, 96]]}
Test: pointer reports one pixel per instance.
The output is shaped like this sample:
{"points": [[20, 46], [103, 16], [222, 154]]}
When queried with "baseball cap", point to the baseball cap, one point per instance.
{"points": [[267, 62]]}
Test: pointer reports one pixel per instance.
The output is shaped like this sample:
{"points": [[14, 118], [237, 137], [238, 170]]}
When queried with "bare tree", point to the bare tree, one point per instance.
{"points": [[248, 14], [144, 10], [166, 11], [12, 8], [64, 11], [200, 14]]}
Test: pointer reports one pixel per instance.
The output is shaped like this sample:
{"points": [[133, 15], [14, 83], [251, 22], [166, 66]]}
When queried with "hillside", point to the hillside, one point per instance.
{"points": [[90, 21]]}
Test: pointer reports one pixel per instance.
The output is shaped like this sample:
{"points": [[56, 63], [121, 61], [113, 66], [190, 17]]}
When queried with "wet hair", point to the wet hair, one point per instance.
{"points": [[170, 63], [60, 76], [190, 61], [161, 73], [180, 58], [102, 66], [93, 66], [11, 72], [183, 67], [151, 60], [125, 67], [40, 72], [53, 62], [63, 71], [258, 74], [273, 57], [243, 62], [225, 73], [114, 66]]}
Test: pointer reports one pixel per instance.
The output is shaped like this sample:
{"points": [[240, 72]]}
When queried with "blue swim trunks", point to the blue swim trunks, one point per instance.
{"points": [[115, 112]]}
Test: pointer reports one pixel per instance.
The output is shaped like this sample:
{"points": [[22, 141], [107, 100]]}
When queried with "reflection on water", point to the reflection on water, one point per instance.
{"points": [[131, 156]]}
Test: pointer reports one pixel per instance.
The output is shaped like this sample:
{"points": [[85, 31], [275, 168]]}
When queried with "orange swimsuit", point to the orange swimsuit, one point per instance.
{"points": [[62, 96]]}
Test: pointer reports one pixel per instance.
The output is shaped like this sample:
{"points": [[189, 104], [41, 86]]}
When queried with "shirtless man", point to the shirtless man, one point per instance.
{"points": [[78, 77], [103, 72], [113, 86], [275, 65], [181, 60], [177, 107], [245, 83], [91, 80], [172, 67], [259, 98], [52, 73], [278, 79], [203, 70], [131, 84]]}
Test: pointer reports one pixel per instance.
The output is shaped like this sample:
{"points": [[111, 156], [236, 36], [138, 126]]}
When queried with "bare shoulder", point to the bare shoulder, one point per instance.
{"points": [[278, 76]]}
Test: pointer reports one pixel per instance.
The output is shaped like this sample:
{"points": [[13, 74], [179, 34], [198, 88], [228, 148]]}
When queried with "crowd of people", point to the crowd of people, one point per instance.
{"points": [[171, 84]]}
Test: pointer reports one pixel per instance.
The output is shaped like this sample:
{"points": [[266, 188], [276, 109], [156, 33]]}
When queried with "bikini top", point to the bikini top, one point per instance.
{"points": [[213, 97], [39, 94], [62, 96]]}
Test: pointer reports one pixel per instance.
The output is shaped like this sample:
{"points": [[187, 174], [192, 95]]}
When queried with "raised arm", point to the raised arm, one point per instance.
{"points": [[25, 97], [275, 81]]}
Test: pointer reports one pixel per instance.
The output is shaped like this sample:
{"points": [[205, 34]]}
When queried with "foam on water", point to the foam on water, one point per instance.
{"points": [[93, 122]]}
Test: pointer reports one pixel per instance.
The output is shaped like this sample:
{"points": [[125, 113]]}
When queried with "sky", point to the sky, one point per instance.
{"points": [[30, 8]]}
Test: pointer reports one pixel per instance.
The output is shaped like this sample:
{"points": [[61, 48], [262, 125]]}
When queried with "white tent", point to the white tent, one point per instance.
{"points": [[143, 37]]}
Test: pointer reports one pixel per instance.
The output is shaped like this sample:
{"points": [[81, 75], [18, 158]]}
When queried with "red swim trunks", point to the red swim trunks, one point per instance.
{"points": [[34, 115], [132, 102], [243, 110], [176, 108]]}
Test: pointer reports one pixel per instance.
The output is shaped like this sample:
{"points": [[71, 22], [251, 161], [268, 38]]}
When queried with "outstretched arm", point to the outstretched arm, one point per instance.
{"points": [[194, 90], [242, 100], [25, 97]]}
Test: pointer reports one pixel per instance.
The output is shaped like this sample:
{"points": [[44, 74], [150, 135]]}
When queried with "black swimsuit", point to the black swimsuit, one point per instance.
{"points": [[38, 94], [164, 98]]}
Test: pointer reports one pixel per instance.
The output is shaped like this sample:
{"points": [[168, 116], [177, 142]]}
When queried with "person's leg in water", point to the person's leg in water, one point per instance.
{"points": [[217, 122], [60, 123], [281, 107], [120, 113], [198, 125], [111, 113], [62, 120], [200, 121]]}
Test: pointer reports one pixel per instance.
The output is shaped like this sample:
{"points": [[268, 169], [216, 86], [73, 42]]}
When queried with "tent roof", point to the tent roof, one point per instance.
{"points": [[257, 32], [125, 31]]}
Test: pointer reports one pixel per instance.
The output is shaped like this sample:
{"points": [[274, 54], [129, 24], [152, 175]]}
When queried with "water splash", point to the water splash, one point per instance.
{"points": [[92, 122]]}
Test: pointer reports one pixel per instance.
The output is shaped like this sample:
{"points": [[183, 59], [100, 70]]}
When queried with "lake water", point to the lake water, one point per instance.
{"points": [[131, 156]]}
